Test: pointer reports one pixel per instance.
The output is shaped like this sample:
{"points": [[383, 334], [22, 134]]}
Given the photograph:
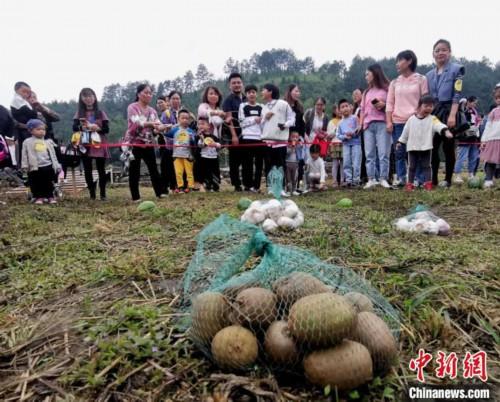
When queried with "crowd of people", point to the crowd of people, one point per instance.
{"points": [[389, 134]]}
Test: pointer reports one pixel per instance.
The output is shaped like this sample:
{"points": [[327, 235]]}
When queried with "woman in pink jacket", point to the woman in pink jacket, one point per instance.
{"points": [[377, 140], [402, 101]]}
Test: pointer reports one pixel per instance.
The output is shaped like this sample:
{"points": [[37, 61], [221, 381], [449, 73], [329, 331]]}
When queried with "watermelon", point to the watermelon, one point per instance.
{"points": [[146, 206], [159, 212], [244, 203], [474, 182], [345, 203]]}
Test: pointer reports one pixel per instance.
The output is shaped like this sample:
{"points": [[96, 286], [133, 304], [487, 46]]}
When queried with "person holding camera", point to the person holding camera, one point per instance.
{"points": [[142, 121], [372, 119], [93, 125], [468, 141], [277, 118]]}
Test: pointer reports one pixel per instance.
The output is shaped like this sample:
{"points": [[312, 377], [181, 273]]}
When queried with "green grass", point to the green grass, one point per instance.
{"points": [[86, 310]]}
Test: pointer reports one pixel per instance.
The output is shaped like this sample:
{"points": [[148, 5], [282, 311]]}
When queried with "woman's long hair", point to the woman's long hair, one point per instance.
{"points": [[292, 102], [379, 79], [82, 107]]}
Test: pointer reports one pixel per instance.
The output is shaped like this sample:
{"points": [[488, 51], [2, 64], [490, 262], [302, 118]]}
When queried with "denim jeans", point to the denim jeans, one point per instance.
{"points": [[400, 153], [419, 161], [377, 145], [469, 152], [352, 162]]}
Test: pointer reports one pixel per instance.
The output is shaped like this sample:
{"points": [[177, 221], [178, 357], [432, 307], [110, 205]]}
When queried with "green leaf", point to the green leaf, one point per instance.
{"points": [[377, 382], [327, 390], [354, 395], [388, 393]]}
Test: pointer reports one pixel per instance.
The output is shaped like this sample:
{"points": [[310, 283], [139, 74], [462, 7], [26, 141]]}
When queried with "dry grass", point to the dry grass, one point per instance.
{"points": [[88, 292]]}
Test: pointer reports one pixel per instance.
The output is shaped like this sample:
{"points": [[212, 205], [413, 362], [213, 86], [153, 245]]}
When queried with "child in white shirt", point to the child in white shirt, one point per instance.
{"points": [[418, 135], [315, 170]]}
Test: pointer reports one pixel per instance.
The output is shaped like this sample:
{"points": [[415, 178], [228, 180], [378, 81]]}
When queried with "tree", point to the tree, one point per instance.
{"points": [[165, 87], [178, 84], [355, 75], [305, 66], [231, 66], [203, 76], [265, 62], [112, 93], [188, 81], [336, 67]]}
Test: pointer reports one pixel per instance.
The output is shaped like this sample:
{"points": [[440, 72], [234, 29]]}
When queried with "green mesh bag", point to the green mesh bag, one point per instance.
{"points": [[275, 181], [254, 301]]}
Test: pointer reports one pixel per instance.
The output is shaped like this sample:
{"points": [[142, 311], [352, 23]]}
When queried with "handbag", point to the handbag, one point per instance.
{"points": [[85, 138], [4, 150], [72, 155], [442, 111], [461, 125], [95, 139]]}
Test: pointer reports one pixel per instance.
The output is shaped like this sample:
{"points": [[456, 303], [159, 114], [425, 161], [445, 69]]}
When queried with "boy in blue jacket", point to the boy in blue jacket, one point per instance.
{"points": [[348, 133], [183, 139]]}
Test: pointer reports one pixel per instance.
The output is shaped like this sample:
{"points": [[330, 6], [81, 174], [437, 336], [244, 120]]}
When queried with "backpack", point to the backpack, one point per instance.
{"points": [[4, 150], [72, 155]]}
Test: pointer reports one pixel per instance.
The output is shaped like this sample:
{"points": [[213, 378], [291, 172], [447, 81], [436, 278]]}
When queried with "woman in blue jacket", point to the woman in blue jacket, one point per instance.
{"points": [[445, 86]]}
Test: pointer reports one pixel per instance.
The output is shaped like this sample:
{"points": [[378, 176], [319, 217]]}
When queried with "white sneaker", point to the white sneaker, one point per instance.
{"points": [[285, 194], [488, 183], [444, 183], [458, 180], [370, 184], [384, 183], [295, 193]]}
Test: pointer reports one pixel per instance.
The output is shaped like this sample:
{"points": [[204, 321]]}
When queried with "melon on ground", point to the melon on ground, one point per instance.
{"points": [[344, 203], [146, 206], [244, 203]]}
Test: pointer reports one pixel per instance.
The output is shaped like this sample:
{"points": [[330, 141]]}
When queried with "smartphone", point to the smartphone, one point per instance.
{"points": [[374, 101]]}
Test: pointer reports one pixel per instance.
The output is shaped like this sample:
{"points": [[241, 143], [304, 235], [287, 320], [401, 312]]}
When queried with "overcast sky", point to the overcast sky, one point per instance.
{"points": [[60, 46]]}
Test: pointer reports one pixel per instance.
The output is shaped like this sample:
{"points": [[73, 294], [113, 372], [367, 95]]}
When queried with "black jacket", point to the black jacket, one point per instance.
{"points": [[23, 115], [300, 126], [6, 123], [309, 118]]}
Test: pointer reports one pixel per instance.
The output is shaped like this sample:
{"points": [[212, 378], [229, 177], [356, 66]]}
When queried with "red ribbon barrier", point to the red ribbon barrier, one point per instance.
{"points": [[171, 146]]}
